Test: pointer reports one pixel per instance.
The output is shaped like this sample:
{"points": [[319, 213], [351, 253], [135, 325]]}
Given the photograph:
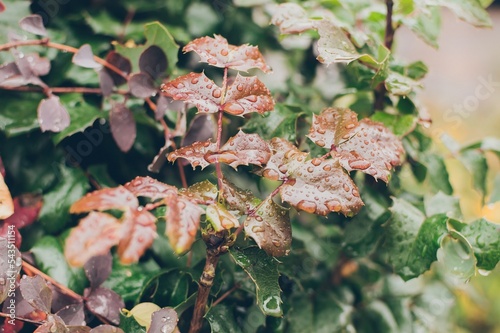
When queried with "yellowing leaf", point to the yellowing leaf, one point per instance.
{"points": [[183, 220], [220, 217], [142, 313], [6, 203]]}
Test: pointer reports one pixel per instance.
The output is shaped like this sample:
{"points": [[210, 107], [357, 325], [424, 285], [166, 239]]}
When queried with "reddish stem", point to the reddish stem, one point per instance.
{"points": [[225, 295], [63, 90], [219, 130]]}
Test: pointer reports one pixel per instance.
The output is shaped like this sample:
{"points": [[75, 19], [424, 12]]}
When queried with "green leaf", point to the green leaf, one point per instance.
{"points": [[398, 124], [470, 11], [411, 241], [129, 324], [72, 185], [49, 257], [484, 237], [426, 27], [400, 85], [15, 10], [221, 319], [282, 122], [18, 114], [201, 19], [475, 162], [301, 315], [330, 314], [158, 35], [437, 173], [167, 288], [457, 256], [263, 270], [81, 113], [495, 193], [441, 203], [378, 317]]}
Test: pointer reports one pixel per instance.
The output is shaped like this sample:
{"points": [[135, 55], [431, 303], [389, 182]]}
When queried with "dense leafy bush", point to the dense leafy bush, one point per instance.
{"points": [[321, 202]]}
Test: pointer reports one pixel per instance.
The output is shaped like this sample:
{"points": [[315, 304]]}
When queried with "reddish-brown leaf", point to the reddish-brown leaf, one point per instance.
{"points": [[282, 150], [237, 199], [195, 88], [104, 199], [194, 153], [246, 95], [26, 209], [95, 234], [121, 63], [150, 188], [123, 129], [242, 149], [52, 116], [138, 233], [219, 53], [367, 146], [203, 192], [6, 203], [183, 220]]}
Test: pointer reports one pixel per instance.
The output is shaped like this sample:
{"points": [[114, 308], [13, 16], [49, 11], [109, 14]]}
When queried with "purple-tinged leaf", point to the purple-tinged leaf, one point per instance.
{"points": [[85, 58], [162, 106], [106, 329], [150, 188], [39, 65], [106, 82], [160, 158], [121, 63], [26, 209], [164, 321], [153, 61], [123, 128], [72, 314], [52, 116], [33, 24], [23, 308], [98, 269], [202, 128], [142, 85], [105, 303], [36, 292], [8, 71], [78, 329], [54, 324]]}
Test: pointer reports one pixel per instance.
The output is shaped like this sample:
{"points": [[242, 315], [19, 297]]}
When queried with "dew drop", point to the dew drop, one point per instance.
{"points": [[360, 164], [320, 143], [180, 85], [316, 161], [307, 206], [194, 80], [216, 93], [257, 229], [224, 52]]}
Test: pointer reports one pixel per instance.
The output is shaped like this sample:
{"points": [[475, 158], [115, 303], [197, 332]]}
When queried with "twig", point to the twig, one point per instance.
{"points": [[381, 90], [63, 90], [32, 270], [225, 295], [6, 315]]}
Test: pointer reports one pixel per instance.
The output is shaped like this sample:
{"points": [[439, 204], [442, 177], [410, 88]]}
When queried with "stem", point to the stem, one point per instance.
{"points": [[381, 90], [219, 130], [225, 295], [63, 90], [8, 316]]}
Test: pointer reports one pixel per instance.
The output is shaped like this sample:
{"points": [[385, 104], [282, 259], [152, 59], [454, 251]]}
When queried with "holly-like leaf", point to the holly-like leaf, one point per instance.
{"points": [[95, 235], [36, 292], [247, 94], [123, 127], [366, 145], [104, 199], [270, 228], [194, 153], [6, 203], [138, 232], [203, 192], [105, 303], [150, 188], [183, 220], [242, 149], [85, 58], [219, 53], [34, 24], [52, 116], [484, 237]]}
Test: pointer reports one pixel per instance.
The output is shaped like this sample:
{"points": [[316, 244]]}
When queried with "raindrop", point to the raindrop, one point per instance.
{"points": [[239, 87]]}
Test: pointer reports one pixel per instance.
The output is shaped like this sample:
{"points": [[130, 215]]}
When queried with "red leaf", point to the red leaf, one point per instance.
{"points": [[194, 153], [34, 24], [85, 58], [150, 188], [183, 220], [96, 234], [246, 95], [139, 231], [366, 146], [123, 129], [219, 53], [26, 210], [52, 116], [6, 203], [195, 88], [104, 199]]}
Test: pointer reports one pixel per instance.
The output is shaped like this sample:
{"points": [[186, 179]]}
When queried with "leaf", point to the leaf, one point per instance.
{"points": [[26, 210], [222, 320], [85, 58], [106, 329], [400, 85], [36, 292], [366, 146], [128, 280], [55, 212], [246, 95], [437, 173], [52, 324], [33, 24], [457, 257], [94, 235], [142, 313], [106, 83], [220, 217], [142, 85], [10, 267], [153, 62], [123, 127], [105, 199], [219, 53], [19, 118], [470, 11], [411, 241], [426, 24], [202, 128], [183, 220], [242, 149], [441, 203], [169, 287], [6, 203], [105, 303], [52, 115], [98, 268], [484, 237], [72, 314], [270, 228], [120, 62], [195, 88], [263, 270], [138, 232], [400, 125], [164, 320], [475, 162], [150, 188], [129, 324], [203, 192], [291, 18], [194, 153], [495, 193], [157, 34]]}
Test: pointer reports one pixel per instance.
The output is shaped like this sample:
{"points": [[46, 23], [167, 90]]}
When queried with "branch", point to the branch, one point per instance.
{"points": [[62, 90], [381, 90]]}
